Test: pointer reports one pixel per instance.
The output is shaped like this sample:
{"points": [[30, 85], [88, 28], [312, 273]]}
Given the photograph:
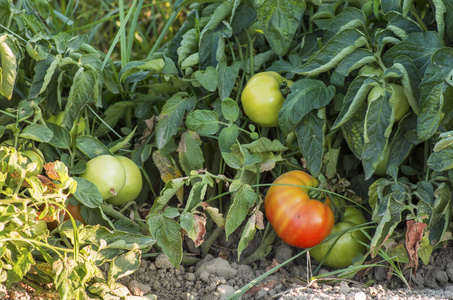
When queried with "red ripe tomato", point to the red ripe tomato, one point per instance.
{"points": [[298, 220]]}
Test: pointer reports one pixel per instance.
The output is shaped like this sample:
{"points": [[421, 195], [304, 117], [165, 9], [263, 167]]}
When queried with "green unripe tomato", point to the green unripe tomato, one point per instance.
{"points": [[381, 168], [347, 246], [37, 157], [368, 70], [78, 127], [133, 185], [107, 173], [39, 227], [398, 99], [262, 98]]}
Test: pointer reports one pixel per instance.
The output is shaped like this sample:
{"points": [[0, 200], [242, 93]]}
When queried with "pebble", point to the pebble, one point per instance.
{"points": [[225, 291], [218, 266], [136, 298], [380, 273], [441, 276], [162, 262], [138, 288], [449, 270], [344, 288], [360, 296], [283, 253], [191, 277]]}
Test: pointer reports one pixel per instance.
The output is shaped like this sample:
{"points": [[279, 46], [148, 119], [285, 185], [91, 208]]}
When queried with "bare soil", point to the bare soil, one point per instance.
{"points": [[216, 278]]}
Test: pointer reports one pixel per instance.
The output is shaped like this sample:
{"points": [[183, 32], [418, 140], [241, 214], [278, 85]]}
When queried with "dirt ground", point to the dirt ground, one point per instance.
{"points": [[217, 278]]}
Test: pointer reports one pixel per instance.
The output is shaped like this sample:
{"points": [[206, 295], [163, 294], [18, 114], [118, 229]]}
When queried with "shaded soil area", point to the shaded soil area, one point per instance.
{"points": [[217, 278]]}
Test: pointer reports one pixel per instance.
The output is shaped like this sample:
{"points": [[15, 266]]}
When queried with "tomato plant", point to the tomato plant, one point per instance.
{"points": [[398, 99], [107, 173], [133, 184], [298, 220], [339, 252], [262, 98]]}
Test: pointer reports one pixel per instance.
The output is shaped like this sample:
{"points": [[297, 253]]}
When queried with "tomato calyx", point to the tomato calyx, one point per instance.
{"points": [[285, 88], [320, 192]]}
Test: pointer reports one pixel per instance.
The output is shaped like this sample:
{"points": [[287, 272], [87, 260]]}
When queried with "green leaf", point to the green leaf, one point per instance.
{"points": [[37, 132], [188, 46], [91, 146], [80, 94], [279, 20], [87, 193], [264, 144], [120, 143], [170, 190], [355, 97], [219, 15], [227, 78], [440, 10], [402, 143], [168, 236], [96, 236], [353, 131], [434, 204], [171, 117], [247, 234], [378, 126], [22, 265], [311, 139], [348, 18], [6, 11], [61, 136], [332, 53], [198, 192], [230, 109], [388, 214], [208, 78], [242, 200], [227, 138], [203, 122], [42, 68], [425, 249], [441, 160], [190, 152], [140, 70], [306, 95], [124, 265], [410, 47], [187, 222], [351, 62], [9, 65], [448, 18], [401, 26], [410, 80], [432, 89], [211, 48]]}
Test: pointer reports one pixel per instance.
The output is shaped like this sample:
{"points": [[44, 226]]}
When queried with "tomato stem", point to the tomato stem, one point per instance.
{"points": [[264, 248]]}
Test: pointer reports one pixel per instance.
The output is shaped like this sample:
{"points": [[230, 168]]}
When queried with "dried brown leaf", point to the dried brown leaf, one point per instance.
{"points": [[414, 235], [269, 285], [168, 171], [200, 224]]}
